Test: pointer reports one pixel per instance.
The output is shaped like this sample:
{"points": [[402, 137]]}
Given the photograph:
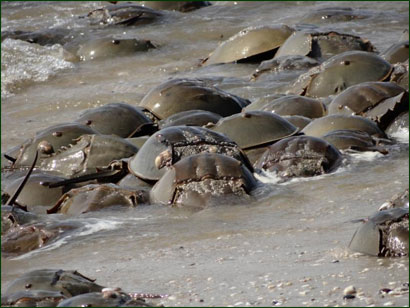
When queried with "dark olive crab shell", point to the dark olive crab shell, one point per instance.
{"points": [[253, 128], [378, 101], [373, 239], [321, 126], [119, 119], [179, 95], [169, 140], [197, 168]]}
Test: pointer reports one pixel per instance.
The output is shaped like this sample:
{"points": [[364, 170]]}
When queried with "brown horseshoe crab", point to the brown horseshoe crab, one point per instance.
{"points": [[87, 154], [397, 53], [198, 179], [127, 14], [182, 6], [178, 95], [169, 145], [385, 233], [120, 119], [324, 125], [381, 102], [321, 45], [250, 45], [300, 156], [190, 118], [340, 72]]}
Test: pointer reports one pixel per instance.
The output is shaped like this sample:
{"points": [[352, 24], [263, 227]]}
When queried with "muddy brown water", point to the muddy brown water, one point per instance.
{"points": [[286, 248]]}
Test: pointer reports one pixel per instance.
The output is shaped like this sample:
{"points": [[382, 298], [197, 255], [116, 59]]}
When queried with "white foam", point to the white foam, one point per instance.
{"points": [[22, 62], [401, 135]]}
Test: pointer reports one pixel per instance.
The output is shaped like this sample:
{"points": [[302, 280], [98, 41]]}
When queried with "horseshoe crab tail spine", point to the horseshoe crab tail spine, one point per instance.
{"points": [[12, 200]]}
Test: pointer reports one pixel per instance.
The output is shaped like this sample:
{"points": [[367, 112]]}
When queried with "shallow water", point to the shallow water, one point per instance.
{"points": [[288, 247]]}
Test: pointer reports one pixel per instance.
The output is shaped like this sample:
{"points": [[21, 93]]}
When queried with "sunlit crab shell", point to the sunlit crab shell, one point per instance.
{"points": [[178, 95], [340, 72], [261, 42]]}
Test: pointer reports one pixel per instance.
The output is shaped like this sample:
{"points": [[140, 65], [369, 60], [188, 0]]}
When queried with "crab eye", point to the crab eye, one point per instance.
{"points": [[28, 286]]}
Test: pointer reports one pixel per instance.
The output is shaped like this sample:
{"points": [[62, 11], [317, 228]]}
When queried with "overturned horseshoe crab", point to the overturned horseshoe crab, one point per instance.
{"points": [[253, 44], [340, 72], [198, 179], [169, 145], [127, 14], [178, 95], [321, 45], [381, 102], [120, 119], [300, 156]]}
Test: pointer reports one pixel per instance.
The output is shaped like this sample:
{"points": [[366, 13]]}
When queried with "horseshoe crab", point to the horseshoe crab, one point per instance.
{"points": [[344, 139], [108, 297], [378, 101], [42, 37], [397, 53], [178, 95], [322, 126], [385, 233], [110, 47], [401, 123], [299, 121], [340, 72], [36, 194], [300, 156], [95, 197], [284, 63], [400, 74], [89, 153], [197, 179], [48, 141], [120, 119], [37, 298], [169, 145], [182, 6], [333, 14], [67, 283], [296, 105], [253, 44], [190, 118], [127, 14], [322, 45], [398, 200]]}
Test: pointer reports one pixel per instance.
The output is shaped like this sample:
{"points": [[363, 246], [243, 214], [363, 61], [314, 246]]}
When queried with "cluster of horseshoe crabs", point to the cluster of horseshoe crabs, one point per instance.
{"points": [[189, 143], [67, 288]]}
